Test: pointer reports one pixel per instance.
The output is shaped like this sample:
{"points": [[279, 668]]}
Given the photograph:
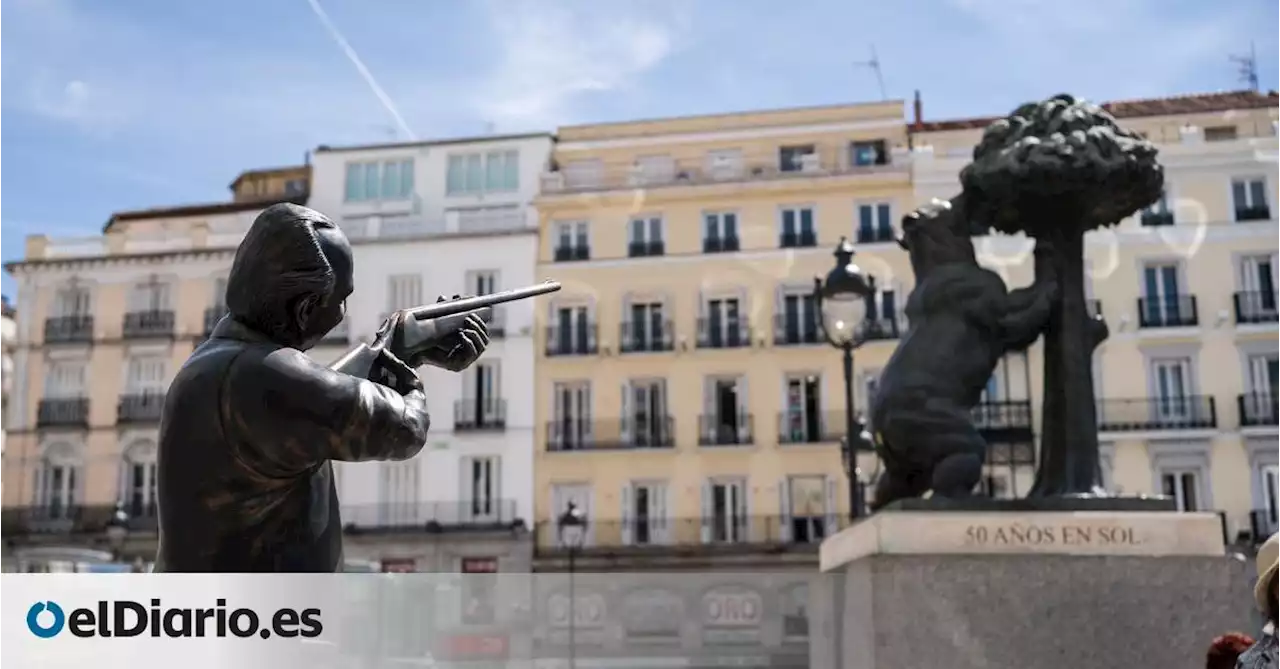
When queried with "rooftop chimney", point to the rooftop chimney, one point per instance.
{"points": [[918, 108]]}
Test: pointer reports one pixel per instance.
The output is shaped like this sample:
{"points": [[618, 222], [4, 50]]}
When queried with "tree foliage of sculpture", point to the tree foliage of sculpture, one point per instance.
{"points": [[1055, 170]]}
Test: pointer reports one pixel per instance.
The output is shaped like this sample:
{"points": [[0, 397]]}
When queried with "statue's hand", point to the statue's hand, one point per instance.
{"points": [[450, 342]]}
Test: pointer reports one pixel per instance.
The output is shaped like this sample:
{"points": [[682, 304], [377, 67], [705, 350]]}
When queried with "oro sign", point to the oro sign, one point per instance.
{"points": [[732, 608]]}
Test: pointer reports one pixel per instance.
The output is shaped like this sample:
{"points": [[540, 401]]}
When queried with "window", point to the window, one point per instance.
{"points": [[379, 181], [1157, 214], [150, 297], [884, 309], [65, 380], [399, 493], [480, 488], [481, 403], [479, 590], [404, 291], [1219, 133], [723, 324], [295, 186], [720, 232], [644, 513], [798, 319], [583, 173], [870, 386], [807, 508], [802, 417], [477, 173], [1171, 391], [1269, 477], [645, 418], [791, 158], [1264, 376], [1263, 379], [646, 237], [646, 329], [57, 492], [1163, 304], [797, 228], [482, 282], [724, 511], [579, 495], [573, 333], [725, 164], [72, 301], [139, 489], [724, 418], [570, 428], [1256, 302], [868, 153], [571, 241], [875, 223], [1183, 485], [1250, 199], [654, 170], [145, 375]]}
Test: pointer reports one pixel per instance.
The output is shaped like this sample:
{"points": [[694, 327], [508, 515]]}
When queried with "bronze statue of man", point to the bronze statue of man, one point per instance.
{"points": [[251, 423]]}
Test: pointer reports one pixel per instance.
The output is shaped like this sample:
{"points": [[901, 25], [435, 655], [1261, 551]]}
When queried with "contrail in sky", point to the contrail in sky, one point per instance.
{"points": [[360, 67]]}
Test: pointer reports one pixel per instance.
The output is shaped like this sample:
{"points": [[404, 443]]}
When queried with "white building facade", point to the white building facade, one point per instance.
{"points": [[429, 219]]}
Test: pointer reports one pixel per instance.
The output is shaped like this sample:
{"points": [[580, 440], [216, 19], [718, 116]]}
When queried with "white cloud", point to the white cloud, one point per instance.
{"points": [[554, 54]]}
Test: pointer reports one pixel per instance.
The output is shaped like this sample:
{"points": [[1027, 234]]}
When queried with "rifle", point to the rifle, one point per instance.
{"points": [[360, 360]]}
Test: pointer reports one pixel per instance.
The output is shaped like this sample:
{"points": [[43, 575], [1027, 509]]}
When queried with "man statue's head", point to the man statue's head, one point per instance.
{"points": [[291, 276]]}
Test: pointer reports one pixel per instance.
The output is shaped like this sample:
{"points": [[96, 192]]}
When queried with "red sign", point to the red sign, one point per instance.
{"points": [[471, 647], [479, 565], [399, 565]]}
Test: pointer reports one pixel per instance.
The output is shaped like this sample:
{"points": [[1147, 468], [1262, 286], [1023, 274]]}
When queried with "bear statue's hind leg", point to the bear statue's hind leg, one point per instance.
{"points": [[958, 468], [893, 486]]}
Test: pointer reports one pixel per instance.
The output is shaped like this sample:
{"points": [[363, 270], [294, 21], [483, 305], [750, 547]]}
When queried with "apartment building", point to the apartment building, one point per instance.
{"points": [[8, 331], [269, 182], [1187, 382], [103, 324], [445, 218]]}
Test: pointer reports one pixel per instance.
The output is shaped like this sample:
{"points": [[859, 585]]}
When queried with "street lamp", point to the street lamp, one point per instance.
{"points": [[117, 531], [571, 529], [844, 299]]}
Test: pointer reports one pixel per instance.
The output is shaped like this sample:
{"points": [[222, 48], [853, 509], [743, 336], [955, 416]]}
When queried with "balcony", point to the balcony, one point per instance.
{"points": [[791, 330], [798, 240], [140, 407], [882, 329], [1151, 219], [63, 412], [476, 415], [1192, 412], [1253, 308], [1260, 212], [144, 324], [77, 519], [720, 430], [1004, 421], [571, 341], [572, 434], [1174, 311], [68, 329], [876, 235], [800, 427], [646, 249], [211, 317], [717, 333], [1257, 410], [721, 244], [645, 337], [719, 534], [477, 515], [572, 253]]}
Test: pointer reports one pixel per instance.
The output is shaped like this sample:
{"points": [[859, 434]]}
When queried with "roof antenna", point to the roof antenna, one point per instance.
{"points": [[1248, 67], [874, 64]]}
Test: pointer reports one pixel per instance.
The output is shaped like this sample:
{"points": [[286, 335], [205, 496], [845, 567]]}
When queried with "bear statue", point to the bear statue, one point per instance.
{"points": [[962, 321]]}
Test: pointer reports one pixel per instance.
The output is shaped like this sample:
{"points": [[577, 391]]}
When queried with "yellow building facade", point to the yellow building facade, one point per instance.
{"points": [[685, 394]]}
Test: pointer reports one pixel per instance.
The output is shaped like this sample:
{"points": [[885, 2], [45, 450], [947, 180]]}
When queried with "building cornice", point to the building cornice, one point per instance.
{"points": [[80, 263], [745, 134]]}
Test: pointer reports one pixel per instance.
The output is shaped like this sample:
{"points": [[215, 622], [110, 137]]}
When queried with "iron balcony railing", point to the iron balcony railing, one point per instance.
{"points": [[142, 407], [478, 514], [571, 434], [473, 415], [798, 240], [1153, 219], [728, 532], [796, 330], [63, 412], [1257, 409], [211, 317], [881, 329], [805, 427], [1190, 412], [1173, 311], [1260, 212], [721, 333], [646, 249], [725, 430], [578, 340], [1003, 420], [572, 253], [151, 323], [1255, 307], [876, 235], [55, 518], [724, 244], [645, 337], [68, 329]]}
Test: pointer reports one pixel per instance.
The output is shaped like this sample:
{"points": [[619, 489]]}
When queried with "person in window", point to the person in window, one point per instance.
{"points": [[1265, 654], [250, 423]]}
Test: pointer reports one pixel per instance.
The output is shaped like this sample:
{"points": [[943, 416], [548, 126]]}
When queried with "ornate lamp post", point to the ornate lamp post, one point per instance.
{"points": [[118, 531], [571, 530], [844, 301]]}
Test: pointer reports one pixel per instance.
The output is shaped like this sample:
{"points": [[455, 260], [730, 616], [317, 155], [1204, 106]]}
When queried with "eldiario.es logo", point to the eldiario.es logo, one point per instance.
{"points": [[124, 618]]}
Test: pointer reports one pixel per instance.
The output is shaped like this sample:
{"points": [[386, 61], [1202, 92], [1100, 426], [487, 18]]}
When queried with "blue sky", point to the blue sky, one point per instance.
{"points": [[139, 103]]}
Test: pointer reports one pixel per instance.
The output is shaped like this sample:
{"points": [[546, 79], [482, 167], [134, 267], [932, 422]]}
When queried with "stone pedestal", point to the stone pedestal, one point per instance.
{"points": [[1020, 589]]}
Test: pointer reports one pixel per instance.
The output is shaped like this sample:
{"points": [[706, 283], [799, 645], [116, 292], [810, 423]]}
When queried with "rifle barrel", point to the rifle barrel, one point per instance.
{"points": [[452, 307]]}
